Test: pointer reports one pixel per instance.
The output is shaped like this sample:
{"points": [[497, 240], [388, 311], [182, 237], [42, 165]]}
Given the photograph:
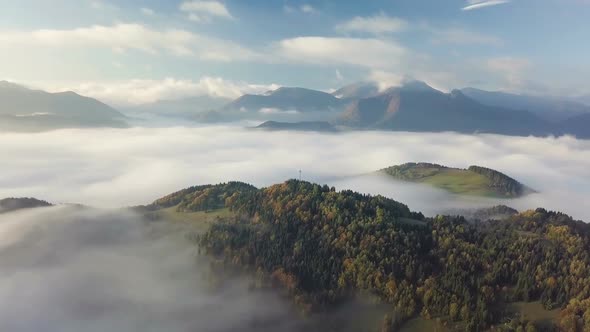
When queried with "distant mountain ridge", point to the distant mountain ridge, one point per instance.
{"points": [[413, 106], [416, 106], [549, 108], [287, 99], [322, 126], [25, 109], [182, 108]]}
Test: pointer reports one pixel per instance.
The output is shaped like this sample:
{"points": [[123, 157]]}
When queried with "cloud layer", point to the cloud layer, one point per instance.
{"points": [[112, 167], [142, 91], [70, 269], [373, 24], [204, 11], [478, 4], [122, 37]]}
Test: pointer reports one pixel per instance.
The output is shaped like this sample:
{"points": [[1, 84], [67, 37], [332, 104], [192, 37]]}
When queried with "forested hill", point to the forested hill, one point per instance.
{"points": [[12, 203], [202, 198], [475, 180], [324, 246]]}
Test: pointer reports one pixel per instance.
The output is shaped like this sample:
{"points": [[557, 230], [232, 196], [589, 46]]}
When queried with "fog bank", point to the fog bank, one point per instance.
{"points": [[69, 269], [119, 167]]}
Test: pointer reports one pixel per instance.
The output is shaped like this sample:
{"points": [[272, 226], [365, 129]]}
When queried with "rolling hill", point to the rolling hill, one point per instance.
{"points": [[474, 181], [322, 248], [25, 109]]}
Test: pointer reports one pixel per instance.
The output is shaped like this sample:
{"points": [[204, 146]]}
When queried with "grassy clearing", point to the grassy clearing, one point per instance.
{"points": [[200, 221], [535, 312], [421, 324], [460, 182]]}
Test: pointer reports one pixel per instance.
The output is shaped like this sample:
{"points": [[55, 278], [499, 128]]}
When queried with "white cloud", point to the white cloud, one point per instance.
{"points": [[204, 11], [146, 163], [138, 91], [386, 79], [339, 76], [147, 11], [305, 9], [478, 4], [308, 9], [374, 24], [131, 36], [352, 51]]}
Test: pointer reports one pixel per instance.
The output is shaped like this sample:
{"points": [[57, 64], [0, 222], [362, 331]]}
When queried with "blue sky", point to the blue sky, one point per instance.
{"points": [[132, 52]]}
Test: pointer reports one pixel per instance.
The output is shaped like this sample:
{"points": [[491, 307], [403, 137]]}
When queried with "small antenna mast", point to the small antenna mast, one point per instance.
{"points": [[299, 175]]}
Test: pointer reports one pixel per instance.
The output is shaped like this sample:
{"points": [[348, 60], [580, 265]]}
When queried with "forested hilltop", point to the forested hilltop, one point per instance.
{"points": [[326, 247], [13, 203], [475, 180]]}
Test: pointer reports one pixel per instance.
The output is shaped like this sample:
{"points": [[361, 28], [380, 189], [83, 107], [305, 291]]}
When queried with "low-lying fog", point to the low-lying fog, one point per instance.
{"points": [[120, 167], [69, 269], [72, 269]]}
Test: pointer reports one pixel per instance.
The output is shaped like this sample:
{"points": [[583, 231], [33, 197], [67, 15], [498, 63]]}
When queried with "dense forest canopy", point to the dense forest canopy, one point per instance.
{"points": [[202, 198], [326, 246]]}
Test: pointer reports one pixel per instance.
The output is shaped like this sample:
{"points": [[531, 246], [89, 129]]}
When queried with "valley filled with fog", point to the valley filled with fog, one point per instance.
{"points": [[76, 269], [126, 167]]}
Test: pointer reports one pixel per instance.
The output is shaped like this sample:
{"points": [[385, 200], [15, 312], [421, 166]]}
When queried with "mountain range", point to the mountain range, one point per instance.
{"points": [[32, 110], [550, 108], [413, 106], [416, 106], [282, 104]]}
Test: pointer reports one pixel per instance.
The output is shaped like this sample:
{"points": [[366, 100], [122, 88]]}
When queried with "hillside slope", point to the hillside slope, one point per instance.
{"points": [[323, 247], [475, 180]]}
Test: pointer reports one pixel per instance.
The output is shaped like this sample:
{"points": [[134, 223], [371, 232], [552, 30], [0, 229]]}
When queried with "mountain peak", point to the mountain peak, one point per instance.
{"points": [[357, 90]]}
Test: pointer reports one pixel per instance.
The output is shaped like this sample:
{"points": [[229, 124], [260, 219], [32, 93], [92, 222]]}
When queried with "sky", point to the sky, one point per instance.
{"points": [[155, 50]]}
